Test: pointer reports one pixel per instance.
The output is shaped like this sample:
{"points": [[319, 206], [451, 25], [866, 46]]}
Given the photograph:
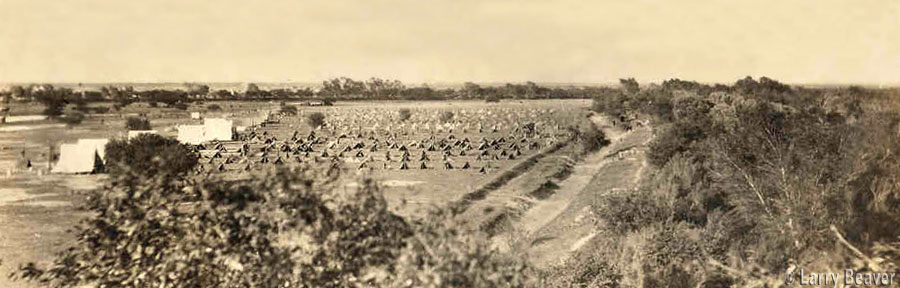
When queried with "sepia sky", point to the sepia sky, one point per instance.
{"points": [[804, 41]]}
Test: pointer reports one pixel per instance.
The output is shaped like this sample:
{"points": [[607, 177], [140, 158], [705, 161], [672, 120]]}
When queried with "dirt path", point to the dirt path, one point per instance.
{"points": [[559, 225]]}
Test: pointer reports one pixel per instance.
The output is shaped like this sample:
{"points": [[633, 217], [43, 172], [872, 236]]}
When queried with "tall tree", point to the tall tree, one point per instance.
{"points": [[54, 100]]}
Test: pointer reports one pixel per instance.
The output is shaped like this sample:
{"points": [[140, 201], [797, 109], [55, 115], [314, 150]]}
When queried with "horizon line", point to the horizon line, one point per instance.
{"points": [[455, 83]]}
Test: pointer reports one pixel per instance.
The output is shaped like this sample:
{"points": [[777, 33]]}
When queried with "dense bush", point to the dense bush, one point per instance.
{"points": [[590, 136], [672, 140], [444, 254], [759, 166], [315, 119], [146, 153], [591, 269], [624, 213], [213, 107], [136, 123], [404, 114], [281, 229]]}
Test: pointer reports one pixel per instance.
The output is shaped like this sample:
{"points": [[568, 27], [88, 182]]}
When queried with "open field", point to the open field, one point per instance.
{"points": [[358, 135]]}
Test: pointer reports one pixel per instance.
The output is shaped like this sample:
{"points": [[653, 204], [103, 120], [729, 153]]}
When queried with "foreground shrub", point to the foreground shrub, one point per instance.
{"points": [[146, 152], [135, 123], [442, 254], [281, 229], [315, 119], [591, 268], [661, 255]]}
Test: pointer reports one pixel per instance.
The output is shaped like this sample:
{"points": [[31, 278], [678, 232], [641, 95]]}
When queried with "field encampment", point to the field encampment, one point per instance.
{"points": [[437, 155]]}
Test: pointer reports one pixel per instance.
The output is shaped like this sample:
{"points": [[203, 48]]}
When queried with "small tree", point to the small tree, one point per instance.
{"points": [[144, 154], [135, 123], [54, 100], [73, 118], [405, 114], [315, 119]]}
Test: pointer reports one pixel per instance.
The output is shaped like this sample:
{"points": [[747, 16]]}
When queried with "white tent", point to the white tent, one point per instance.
{"points": [[96, 144], [195, 115], [190, 134], [212, 129], [217, 129], [81, 157]]}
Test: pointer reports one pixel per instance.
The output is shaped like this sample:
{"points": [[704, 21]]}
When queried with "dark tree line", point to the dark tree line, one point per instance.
{"points": [[342, 88]]}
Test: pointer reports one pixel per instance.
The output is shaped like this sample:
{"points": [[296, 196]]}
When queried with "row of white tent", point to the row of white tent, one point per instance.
{"points": [[86, 155]]}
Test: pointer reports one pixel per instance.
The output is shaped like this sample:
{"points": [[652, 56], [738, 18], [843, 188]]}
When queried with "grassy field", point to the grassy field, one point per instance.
{"points": [[36, 208]]}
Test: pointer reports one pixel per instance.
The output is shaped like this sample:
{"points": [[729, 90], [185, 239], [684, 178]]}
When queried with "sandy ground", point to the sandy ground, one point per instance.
{"points": [[35, 213]]}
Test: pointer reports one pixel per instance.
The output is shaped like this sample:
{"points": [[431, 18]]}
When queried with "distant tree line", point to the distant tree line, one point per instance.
{"points": [[341, 88]]}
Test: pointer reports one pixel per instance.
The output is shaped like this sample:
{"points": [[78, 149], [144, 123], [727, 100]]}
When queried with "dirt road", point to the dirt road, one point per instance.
{"points": [[555, 227]]}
